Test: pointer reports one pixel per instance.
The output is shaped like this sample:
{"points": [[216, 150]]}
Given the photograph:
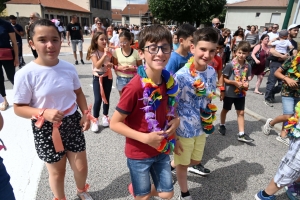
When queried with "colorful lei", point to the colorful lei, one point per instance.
{"points": [[208, 114], [295, 69], [292, 126], [151, 99], [241, 92]]}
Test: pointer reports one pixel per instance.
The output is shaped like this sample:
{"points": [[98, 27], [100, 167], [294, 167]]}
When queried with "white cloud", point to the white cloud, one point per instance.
{"points": [[121, 4]]}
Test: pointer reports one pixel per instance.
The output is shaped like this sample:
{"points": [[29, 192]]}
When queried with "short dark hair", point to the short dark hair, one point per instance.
{"points": [[244, 46], [208, 34], [42, 22], [126, 35], [185, 31], [12, 17], [154, 33], [221, 41]]}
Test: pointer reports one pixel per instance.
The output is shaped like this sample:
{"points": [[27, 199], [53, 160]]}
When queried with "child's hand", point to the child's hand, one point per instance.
{"points": [[54, 116], [109, 65], [85, 123], [238, 84], [178, 147], [154, 139], [291, 83], [246, 84], [257, 62], [173, 125]]}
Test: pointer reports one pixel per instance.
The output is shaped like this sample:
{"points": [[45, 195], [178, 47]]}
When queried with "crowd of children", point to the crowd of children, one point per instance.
{"points": [[166, 105]]}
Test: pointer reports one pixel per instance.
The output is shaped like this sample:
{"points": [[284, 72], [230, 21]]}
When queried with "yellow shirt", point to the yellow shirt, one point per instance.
{"points": [[126, 60]]}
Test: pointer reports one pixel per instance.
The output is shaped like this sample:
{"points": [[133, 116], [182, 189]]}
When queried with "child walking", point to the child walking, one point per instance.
{"points": [[236, 74], [197, 84], [141, 117], [126, 60], [100, 55], [57, 125]]}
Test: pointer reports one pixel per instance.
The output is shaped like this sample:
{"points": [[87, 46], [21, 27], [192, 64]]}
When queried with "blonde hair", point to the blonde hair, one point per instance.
{"points": [[94, 46]]}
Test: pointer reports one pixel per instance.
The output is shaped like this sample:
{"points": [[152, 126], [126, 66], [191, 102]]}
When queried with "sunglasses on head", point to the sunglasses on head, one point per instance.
{"points": [[274, 27]]}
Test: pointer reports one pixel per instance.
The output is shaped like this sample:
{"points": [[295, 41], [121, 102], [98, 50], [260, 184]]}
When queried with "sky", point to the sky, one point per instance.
{"points": [[121, 4]]}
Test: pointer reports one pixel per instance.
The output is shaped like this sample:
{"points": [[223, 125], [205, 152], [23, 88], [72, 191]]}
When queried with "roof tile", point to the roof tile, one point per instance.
{"points": [[260, 3], [135, 9]]}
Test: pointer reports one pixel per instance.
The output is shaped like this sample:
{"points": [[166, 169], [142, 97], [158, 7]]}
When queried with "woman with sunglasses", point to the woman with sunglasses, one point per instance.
{"points": [[237, 37], [99, 28]]}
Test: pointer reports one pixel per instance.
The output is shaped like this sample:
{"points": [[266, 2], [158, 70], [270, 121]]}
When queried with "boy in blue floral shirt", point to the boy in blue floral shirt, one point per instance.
{"points": [[197, 83]]}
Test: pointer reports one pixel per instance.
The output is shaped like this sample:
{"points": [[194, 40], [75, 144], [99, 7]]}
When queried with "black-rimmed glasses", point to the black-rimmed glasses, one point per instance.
{"points": [[153, 49]]}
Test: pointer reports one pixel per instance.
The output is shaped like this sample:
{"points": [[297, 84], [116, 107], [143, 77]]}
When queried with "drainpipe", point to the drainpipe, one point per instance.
{"points": [[296, 13], [288, 14]]}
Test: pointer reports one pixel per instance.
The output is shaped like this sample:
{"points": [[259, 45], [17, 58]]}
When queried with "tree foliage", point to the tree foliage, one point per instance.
{"points": [[2, 5], [186, 10]]}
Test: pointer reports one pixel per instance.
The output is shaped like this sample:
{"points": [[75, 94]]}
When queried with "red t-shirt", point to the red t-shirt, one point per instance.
{"points": [[130, 105], [216, 63]]}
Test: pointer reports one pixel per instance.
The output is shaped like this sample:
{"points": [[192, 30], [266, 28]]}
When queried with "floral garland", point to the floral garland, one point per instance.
{"points": [[241, 92], [208, 114], [292, 126], [151, 99], [295, 69]]}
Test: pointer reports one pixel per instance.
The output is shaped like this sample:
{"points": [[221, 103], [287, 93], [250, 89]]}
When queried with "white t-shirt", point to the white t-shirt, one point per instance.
{"points": [[47, 87], [246, 32], [282, 46], [115, 40], [273, 35]]}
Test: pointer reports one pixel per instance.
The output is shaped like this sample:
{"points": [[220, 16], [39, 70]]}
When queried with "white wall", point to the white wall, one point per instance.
{"points": [[24, 9], [135, 20], [247, 16]]}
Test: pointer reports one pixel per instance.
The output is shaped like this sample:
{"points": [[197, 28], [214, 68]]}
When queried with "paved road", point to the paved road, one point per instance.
{"points": [[238, 170]]}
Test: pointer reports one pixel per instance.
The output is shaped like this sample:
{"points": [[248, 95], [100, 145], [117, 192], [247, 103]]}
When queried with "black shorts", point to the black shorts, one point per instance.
{"points": [[239, 103], [71, 135]]}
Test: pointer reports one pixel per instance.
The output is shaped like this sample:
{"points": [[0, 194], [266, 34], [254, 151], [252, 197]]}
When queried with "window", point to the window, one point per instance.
{"points": [[100, 4], [275, 18], [51, 16], [46, 16], [127, 18], [257, 14]]}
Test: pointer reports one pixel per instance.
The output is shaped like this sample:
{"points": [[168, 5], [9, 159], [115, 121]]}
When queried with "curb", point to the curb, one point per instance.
{"points": [[260, 118]]}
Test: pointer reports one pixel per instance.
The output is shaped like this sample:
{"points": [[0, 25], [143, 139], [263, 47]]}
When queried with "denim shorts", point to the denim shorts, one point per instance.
{"points": [[76, 42], [122, 81], [158, 167], [288, 105], [288, 170], [6, 190]]}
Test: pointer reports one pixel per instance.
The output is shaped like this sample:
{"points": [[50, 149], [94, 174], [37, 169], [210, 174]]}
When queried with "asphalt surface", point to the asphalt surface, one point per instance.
{"points": [[239, 170]]}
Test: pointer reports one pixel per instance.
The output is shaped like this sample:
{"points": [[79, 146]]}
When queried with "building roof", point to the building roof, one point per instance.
{"points": [[135, 9], [260, 3], [116, 14], [59, 4]]}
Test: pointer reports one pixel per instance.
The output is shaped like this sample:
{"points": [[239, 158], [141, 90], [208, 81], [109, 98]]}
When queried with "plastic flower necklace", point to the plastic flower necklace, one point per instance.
{"points": [[241, 92], [292, 126], [295, 66], [151, 99], [207, 114]]}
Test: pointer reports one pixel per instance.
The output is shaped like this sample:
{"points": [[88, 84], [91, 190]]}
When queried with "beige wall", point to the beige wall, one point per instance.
{"points": [[247, 16], [82, 3], [24, 9], [135, 20]]}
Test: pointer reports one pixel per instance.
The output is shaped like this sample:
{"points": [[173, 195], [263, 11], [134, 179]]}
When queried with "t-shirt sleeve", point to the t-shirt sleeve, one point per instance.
{"points": [[289, 43], [9, 28], [136, 55], [227, 70], [171, 66], [220, 64], [68, 27], [128, 99], [22, 88], [275, 42]]}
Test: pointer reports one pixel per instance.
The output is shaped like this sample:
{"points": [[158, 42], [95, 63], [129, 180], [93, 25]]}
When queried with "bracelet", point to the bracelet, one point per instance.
{"points": [[222, 88]]}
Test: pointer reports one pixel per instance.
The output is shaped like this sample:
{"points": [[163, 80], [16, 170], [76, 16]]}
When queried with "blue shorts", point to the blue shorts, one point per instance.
{"points": [[121, 82], [160, 170], [6, 191], [288, 105]]}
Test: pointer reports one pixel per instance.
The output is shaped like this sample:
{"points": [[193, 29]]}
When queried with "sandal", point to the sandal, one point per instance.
{"points": [[3, 106], [260, 93]]}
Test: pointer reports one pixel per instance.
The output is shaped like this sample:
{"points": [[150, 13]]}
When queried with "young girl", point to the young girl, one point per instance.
{"points": [[57, 125], [102, 77], [126, 61]]}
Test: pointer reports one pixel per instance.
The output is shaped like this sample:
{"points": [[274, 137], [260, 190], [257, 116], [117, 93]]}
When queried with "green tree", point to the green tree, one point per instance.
{"points": [[2, 5], [186, 10]]}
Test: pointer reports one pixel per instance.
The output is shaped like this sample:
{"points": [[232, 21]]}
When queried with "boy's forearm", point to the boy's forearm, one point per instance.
{"points": [[123, 129], [229, 82]]}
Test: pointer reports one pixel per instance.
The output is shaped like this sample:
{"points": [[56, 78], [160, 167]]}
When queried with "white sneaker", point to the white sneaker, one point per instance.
{"points": [[95, 126], [284, 140], [267, 127], [184, 198], [105, 121]]}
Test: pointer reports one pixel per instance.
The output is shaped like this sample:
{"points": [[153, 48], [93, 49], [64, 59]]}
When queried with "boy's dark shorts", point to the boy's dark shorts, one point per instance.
{"points": [[239, 103]]}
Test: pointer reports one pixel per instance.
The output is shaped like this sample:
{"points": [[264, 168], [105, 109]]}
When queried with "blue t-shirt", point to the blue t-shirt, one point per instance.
{"points": [[189, 103], [176, 62], [5, 29], [175, 46], [19, 29]]}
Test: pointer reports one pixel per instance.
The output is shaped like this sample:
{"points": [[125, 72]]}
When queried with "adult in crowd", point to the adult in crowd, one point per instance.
{"points": [[248, 30], [216, 23], [114, 41], [33, 17], [270, 29], [74, 30], [8, 59], [237, 37], [135, 32], [252, 37], [99, 28], [95, 24], [262, 50], [271, 89], [109, 32], [274, 33], [86, 30], [19, 34], [226, 37]]}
